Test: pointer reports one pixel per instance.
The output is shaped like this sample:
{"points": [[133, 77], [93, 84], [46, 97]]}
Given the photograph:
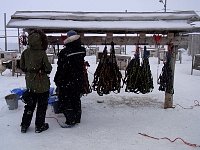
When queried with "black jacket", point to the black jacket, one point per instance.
{"points": [[70, 67]]}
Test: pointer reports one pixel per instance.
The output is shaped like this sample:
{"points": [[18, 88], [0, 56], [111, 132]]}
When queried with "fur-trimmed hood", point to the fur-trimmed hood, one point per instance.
{"points": [[37, 40], [71, 39]]}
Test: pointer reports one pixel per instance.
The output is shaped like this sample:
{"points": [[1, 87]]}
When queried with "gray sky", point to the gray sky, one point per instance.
{"points": [[11, 6]]}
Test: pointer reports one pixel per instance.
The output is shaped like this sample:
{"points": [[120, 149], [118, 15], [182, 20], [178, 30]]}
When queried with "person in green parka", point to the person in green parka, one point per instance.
{"points": [[34, 63]]}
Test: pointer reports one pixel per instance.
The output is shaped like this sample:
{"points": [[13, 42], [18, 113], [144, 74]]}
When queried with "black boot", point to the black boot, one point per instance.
{"points": [[70, 116], [78, 116], [44, 127], [23, 129]]}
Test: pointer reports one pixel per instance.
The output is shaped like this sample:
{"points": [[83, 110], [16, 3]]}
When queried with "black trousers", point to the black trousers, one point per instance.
{"points": [[41, 101], [70, 104]]}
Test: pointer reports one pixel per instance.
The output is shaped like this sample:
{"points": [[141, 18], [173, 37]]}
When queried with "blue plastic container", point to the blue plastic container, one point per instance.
{"points": [[18, 91], [51, 91], [52, 99]]}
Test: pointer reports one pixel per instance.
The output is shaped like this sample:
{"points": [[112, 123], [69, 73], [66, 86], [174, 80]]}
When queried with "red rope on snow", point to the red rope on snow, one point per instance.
{"points": [[148, 136], [189, 144], [196, 102]]}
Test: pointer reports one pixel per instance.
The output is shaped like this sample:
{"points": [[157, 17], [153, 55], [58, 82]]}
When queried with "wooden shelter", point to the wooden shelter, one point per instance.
{"points": [[141, 28], [169, 24]]}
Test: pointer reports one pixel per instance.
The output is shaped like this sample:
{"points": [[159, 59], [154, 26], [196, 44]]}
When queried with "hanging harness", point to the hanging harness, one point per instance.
{"points": [[107, 76]]}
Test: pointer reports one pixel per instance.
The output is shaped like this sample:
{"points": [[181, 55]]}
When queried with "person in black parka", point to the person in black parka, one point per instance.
{"points": [[69, 78]]}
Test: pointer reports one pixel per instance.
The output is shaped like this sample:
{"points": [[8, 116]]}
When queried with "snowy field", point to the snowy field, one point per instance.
{"points": [[115, 123]]}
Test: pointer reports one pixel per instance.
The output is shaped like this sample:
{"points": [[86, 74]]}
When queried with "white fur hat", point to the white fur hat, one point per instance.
{"points": [[71, 36]]}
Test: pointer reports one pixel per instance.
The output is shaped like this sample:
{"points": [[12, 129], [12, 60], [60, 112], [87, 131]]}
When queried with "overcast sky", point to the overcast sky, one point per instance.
{"points": [[11, 6]]}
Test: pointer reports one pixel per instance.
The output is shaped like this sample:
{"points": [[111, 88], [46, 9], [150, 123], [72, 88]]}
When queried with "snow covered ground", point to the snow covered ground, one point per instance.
{"points": [[116, 123]]}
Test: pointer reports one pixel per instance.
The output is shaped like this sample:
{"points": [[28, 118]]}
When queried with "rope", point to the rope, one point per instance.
{"points": [[178, 138], [138, 77], [61, 125], [196, 103], [86, 85], [55, 119]]}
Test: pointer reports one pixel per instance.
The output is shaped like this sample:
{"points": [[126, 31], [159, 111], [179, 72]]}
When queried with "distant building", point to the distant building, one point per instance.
{"points": [[10, 46]]}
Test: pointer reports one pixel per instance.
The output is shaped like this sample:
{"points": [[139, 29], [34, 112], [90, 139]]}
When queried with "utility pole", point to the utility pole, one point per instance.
{"points": [[165, 4], [5, 32]]}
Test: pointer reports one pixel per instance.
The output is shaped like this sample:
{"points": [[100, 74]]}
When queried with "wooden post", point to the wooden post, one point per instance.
{"points": [[58, 48], [81, 35], [192, 65], [13, 67], [6, 48], [109, 37], [19, 40], [169, 96], [157, 47], [168, 100]]}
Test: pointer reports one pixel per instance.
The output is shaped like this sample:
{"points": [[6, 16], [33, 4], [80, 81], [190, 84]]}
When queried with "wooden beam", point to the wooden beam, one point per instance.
{"points": [[121, 40]]}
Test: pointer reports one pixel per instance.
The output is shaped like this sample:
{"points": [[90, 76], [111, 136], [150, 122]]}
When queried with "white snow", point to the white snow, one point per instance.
{"points": [[111, 15], [132, 25], [109, 20], [116, 123]]}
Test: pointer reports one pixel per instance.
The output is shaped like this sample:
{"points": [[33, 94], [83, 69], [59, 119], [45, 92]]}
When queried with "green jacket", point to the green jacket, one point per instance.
{"points": [[34, 62]]}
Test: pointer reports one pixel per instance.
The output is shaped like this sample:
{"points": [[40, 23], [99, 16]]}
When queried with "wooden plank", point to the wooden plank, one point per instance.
{"points": [[119, 40]]}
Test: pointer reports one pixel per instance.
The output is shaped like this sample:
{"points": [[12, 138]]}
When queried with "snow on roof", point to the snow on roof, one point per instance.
{"points": [[117, 16], [105, 21], [128, 25], [196, 24]]}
